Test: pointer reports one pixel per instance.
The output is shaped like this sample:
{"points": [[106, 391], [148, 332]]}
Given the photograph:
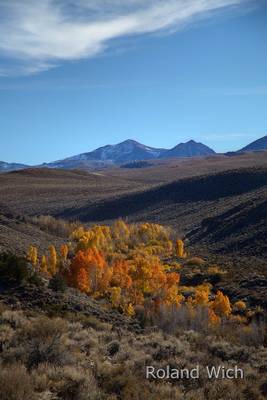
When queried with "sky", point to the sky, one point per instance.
{"points": [[77, 75]]}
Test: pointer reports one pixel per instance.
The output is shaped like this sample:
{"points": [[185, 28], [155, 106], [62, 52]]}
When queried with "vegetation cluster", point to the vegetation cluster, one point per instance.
{"points": [[136, 269]]}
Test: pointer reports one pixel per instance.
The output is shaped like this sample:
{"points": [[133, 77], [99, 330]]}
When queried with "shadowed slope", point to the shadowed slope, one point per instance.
{"points": [[198, 189]]}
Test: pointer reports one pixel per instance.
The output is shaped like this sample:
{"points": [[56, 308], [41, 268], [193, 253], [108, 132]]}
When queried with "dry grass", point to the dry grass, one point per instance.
{"points": [[198, 261], [16, 383], [52, 359]]}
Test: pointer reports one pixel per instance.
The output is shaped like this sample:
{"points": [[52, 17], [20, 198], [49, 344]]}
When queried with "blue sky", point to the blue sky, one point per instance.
{"points": [[76, 77]]}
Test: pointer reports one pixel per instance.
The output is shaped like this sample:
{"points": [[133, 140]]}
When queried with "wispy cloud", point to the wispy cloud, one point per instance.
{"points": [[39, 35]]}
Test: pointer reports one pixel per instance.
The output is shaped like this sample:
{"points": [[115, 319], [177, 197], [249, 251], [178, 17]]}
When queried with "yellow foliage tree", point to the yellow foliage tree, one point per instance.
{"points": [[221, 305], [43, 265], [130, 310], [180, 248], [115, 296], [32, 255], [202, 294], [52, 260]]}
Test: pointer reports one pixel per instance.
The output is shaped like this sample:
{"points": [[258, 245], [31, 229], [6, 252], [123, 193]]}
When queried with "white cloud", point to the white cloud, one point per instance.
{"points": [[38, 35]]}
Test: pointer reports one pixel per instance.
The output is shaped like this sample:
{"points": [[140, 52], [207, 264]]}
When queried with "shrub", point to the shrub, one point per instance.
{"points": [[14, 318], [171, 319], [253, 334], [240, 306], [13, 269], [54, 226], [113, 348], [214, 269], [226, 351], [196, 261], [16, 384], [88, 321], [57, 283], [42, 341], [78, 384]]}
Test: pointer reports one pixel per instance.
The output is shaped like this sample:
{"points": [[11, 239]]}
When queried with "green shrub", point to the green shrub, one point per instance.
{"points": [[57, 284], [113, 348], [13, 269]]}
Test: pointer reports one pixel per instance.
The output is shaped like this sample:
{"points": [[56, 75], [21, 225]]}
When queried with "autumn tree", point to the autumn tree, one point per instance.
{"points": [[115, 296], [43, 264], [123, 264], [213, 318], [32, 255], [95, 275], [64, 249], [202, 293], [52, 260], [151, 280], [130, 310], [82, 280], [221, 305], [121, 274], [180, 248]]}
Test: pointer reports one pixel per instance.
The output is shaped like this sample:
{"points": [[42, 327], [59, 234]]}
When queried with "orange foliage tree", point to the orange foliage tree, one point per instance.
{"points": [[64, 251], [89, 272]]}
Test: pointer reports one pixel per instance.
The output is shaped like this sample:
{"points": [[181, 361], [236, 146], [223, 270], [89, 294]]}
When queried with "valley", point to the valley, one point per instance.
{"points": [[218, 204]]}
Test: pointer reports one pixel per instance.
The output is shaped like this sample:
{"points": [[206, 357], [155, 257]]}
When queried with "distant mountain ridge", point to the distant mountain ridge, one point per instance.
{"points": [[7, 167], [126, 151], [130, 151]]}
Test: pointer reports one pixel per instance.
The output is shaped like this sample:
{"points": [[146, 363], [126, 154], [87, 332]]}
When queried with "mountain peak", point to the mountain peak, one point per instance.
{"points": [[130, 151], [257, 145], [191, 141], [129, 141], [189, 149]]}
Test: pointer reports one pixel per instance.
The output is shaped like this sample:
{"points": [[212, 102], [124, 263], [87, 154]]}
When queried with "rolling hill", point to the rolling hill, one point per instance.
{"points": [[177, 202]]}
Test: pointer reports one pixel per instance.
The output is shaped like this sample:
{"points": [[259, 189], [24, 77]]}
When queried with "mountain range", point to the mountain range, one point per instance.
{"points": [[128, 151], [131, 151], [7, 167]]}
